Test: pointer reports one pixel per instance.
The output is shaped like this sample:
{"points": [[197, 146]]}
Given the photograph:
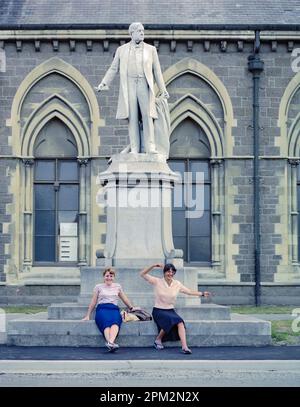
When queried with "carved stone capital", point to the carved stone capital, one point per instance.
{"points": [[28, 162], [216, 161], [294, 162], [83, 161]]}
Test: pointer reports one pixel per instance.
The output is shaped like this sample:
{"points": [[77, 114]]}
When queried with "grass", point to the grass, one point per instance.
{"points": [[23, 309], [282, 333], [270, 309]]}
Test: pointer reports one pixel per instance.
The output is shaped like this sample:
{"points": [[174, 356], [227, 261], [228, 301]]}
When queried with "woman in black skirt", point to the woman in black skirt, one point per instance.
{"points": [[170, 325]]}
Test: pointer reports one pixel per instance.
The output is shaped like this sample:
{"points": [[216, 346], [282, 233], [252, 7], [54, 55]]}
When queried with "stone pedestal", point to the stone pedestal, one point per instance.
{"points": [[136, 191]]}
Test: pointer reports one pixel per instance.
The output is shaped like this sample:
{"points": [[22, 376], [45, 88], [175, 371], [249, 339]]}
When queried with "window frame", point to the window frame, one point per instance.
{"points": [[187, 161], [56, 182]]}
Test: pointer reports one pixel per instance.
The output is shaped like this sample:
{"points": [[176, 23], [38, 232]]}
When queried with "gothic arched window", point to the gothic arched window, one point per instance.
{"points": [[190, 153], [56, 195]]}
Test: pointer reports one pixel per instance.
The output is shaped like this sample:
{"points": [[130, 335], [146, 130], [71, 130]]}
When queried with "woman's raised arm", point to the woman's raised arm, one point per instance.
{"points": [[144, 273]]}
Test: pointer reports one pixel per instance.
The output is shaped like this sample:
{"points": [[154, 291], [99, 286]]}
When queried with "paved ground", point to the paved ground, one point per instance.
{"points": [[270, 366], [209, 353], [151, 373], [143, 367]]}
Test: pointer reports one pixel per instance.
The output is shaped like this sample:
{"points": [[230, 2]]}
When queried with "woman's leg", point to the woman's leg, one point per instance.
{"points": [[107, 334], [160, 336], [182, 335], [114, 329]]}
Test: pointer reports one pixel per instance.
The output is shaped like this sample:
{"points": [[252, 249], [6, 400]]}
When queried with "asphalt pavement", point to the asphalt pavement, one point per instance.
{"points": [[76, 367], [101, 353]]}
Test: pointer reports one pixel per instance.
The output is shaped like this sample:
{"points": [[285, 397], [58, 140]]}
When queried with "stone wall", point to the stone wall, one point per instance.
{"points": [[227, 60]]}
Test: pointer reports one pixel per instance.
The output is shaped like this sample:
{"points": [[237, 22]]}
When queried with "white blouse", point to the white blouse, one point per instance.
{"points": [[107, 293]]}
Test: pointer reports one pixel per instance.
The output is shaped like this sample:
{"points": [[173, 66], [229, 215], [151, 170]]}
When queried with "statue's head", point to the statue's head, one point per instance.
{"points": [[136, 31]]}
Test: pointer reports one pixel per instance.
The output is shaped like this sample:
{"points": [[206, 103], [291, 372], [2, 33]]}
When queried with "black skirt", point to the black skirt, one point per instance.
{"points": [[167, 319]]}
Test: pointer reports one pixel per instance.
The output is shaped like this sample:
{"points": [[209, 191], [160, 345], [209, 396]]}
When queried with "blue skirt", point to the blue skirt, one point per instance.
{"points": [[167, 319], [107, 315]]}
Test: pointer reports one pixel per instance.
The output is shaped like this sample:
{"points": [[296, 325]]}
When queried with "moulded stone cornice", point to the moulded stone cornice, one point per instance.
{"points": [[85, 34], [123, 34]]}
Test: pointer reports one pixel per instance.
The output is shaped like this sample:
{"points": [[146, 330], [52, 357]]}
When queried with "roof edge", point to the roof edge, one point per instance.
{"points": [[169, 27]]}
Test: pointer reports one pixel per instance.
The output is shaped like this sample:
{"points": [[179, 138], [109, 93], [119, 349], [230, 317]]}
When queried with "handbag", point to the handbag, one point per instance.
{"points": [[142, 315], [128, 316]]}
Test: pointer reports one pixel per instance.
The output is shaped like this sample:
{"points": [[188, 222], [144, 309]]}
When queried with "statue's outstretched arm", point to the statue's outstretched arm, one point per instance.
{"points": [[111, 72]]}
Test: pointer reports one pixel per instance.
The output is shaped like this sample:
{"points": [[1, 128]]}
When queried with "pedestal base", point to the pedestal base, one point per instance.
{"points": [[136, 190]]}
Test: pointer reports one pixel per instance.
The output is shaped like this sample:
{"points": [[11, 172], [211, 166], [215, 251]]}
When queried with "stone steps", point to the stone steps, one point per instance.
{"points": [[207, 324], [51, 281], [200, 312], [240, 330], [51, 276]]}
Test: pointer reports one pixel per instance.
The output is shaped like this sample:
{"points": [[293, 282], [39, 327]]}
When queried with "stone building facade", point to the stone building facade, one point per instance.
{"points": [[56, 134]]}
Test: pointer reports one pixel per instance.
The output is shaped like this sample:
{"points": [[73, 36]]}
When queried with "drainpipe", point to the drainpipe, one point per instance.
{"points": [[256, 66]]}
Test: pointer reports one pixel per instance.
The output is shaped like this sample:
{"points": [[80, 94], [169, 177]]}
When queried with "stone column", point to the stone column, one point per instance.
{"points": [[222, 211], [27, 213], [83, 162], [217, 184], [294, 210]]}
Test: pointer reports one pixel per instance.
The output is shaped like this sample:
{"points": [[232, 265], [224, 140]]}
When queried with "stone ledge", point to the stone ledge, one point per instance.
{"points": [[202, 312], [241, 331]]}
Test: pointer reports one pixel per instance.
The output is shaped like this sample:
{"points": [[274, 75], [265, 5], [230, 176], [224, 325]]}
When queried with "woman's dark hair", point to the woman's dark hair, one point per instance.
{"points": [[170, 266]]}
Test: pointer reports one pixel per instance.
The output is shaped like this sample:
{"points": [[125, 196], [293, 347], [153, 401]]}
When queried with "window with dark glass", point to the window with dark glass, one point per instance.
{"points": [[56, 194], [56, 201], [189, 153]]}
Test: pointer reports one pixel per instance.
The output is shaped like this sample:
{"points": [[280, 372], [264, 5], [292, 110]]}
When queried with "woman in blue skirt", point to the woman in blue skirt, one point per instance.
{"points": [[108, 317], [170, 325]]}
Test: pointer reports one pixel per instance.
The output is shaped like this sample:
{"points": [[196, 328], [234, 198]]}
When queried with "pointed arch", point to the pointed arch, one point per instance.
{"points": [[287, 138], [194, 67], [285, 102], [294, 138], [289, 143], [190, 106], [24, 130], [55, 106], [56, 65]]}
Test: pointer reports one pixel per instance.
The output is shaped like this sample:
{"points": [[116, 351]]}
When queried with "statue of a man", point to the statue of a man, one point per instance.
{"points": [[138, 65]]}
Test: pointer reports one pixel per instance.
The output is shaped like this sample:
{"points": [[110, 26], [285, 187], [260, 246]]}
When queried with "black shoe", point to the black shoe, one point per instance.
{"points": [[186, 351]]}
